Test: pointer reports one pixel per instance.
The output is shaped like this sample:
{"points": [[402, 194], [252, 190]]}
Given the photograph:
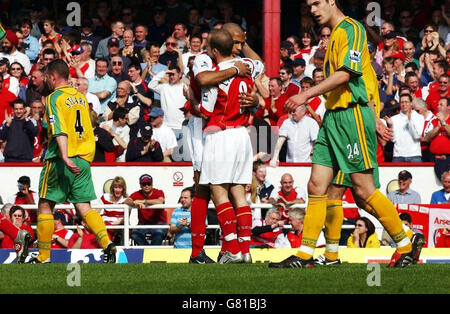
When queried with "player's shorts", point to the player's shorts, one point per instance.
{"points": [[227, 157], [195, 141], [347, 140], [59, 185], [344, 179]]}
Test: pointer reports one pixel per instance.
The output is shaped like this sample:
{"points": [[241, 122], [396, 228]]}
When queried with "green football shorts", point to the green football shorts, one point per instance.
{"points": [[59, 185], [347, 140]]}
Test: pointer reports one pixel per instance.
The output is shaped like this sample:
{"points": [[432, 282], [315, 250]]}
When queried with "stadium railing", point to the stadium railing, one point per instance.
{"points": [[127, 226]]}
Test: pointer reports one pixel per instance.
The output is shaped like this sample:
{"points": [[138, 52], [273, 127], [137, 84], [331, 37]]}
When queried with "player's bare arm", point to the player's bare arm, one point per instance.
{"points": [[336, 79], [210, 78]]}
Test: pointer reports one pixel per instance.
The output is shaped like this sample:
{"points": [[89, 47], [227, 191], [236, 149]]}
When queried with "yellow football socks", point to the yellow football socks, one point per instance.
{"points": [[95, 222], [45, 228], [316, 212], [333, 226], [387, 215]]}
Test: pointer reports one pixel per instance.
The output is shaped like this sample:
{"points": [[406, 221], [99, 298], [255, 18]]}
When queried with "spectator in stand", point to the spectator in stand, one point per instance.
{"points": [[420, 106], [141, 199], [119, 129], [442, 91], [102, 85], [61, 235], [6, 98], [113, 51], [292, 238], [407, 27], [129, 49], [404, 194], [315, 106], [82, 65], [152, 67], [442, 196], [37, 89], [317, 76], [296, 43], [180, 35], [87, 35], [273, 109], [46, 56], [126, 100], [82, 85], [316, 62], [144, 148], [193, 22], [25, 196], [40, 141], [141, 33], [408, 126], [300, 131], [19, 133], [180, 221], [307, 42], [16, 70], [364, 235], [298, 68], [113, 217], [325, 33], [169, 86], [194, 49], [439, 138], [17, 217], [83, 238], [30, 43], [50, 32], [9, 82], [117, 69], [286, 53], [10, 52], [138, 86], [127, 15], [265, 231], [164, 135], [287, 195], [409, 51], [159, 30], [262, 186], [103, 139], [117, 29], [172, 56], [389, 48]]}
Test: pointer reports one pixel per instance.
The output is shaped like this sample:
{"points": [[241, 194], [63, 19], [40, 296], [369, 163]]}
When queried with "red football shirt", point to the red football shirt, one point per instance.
{"points": [[8, 242], [440, 145]]}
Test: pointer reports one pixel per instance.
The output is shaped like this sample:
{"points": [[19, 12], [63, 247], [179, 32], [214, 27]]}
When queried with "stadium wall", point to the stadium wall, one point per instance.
{"points": [[173, 177]]}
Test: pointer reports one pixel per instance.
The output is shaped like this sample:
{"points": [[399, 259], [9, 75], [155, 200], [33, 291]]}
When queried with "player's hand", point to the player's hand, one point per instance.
{"points": [[244, 69], [383, 131], [71, 166], [248, 100], [295, 101]]}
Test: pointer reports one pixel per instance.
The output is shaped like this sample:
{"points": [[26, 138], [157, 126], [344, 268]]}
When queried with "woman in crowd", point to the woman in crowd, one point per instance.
{"points": [[16, 69], [364, 235]]}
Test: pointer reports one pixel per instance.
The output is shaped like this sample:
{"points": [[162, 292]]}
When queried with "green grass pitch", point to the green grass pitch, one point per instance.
{"points": [[162, 278]]}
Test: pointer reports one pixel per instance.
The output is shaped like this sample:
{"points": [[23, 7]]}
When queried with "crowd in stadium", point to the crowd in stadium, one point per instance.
{"points": [[132, 61]]}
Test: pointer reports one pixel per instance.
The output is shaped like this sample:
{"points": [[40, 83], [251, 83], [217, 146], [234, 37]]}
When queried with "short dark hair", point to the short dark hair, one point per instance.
{"points": [[101, 60], [189, 189], [49, 51], [17, 101], [15, 208], [276, 79], [174, 67], [119, 113], [406, 95], [307, 80], [222, 41], [412, 65], [59, 67], [405, 216], [288, 69]]}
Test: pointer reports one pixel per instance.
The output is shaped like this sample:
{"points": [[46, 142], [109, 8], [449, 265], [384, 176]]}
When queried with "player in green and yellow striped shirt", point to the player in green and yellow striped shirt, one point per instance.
{"points": [[66, 175], [347, 139]]}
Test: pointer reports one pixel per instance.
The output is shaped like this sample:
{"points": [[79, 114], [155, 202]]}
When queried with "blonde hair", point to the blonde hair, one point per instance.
{"points": [[120, 181]]}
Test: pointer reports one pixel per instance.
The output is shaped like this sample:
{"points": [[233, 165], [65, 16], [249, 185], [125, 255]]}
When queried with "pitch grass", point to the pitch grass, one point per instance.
{"points": [[161, 278]]}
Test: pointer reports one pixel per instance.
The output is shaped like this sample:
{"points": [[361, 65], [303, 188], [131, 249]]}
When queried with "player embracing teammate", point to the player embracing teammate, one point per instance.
{"points": [[221, 152]]}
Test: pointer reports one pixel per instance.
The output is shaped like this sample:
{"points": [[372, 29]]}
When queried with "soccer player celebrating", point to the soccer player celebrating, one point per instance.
{"points": [[66, 175], [227, 155], [347, 139]]}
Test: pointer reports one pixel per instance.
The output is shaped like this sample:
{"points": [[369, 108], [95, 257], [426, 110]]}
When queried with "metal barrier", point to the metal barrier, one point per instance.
{"points": [[127, 226]]}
